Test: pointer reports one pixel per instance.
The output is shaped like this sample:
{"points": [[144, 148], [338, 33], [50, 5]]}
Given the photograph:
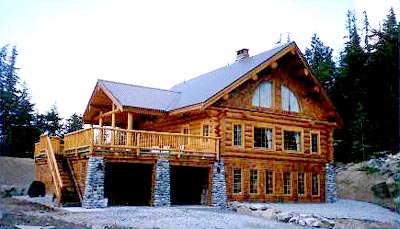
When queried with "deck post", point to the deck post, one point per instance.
{"points": [[330, 184], [93, 196], [129, 127], [162, 189], [100, 142], [218, 195]]}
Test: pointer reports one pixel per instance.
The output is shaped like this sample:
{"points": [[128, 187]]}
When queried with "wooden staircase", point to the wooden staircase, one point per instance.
{"points": [[66, 188]]}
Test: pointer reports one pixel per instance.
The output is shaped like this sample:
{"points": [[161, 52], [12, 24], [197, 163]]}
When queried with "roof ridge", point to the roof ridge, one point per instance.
{"points": [[135, 85]]}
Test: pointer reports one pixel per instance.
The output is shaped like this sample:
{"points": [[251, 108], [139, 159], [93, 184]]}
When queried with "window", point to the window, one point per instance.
{"points": [[206, 132], [253, 181], [315, 184], [237, 135], [314, 143], [185, 130], [263, 137], [287, 188], [269, 182], [292, 140], [262, 97], [289, 100], [300, 184], [237, 181]]}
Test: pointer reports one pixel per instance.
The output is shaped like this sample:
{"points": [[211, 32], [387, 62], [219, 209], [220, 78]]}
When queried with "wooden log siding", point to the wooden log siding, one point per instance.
{"points": [[117, 139]]}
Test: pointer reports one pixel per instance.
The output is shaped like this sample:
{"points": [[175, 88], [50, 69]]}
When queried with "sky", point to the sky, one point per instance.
{"points": [[65, 46]]}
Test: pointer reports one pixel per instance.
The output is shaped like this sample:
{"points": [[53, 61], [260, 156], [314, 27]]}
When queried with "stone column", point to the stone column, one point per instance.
{"points": [[330, 185], [93, 196], [219, 196], [162, 189]]}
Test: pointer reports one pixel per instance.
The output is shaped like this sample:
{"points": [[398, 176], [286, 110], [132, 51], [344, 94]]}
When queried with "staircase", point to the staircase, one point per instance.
{"points": [[69, 192]]}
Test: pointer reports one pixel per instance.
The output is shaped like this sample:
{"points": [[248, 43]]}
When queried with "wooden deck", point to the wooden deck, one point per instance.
{"points": [[138, 142]]}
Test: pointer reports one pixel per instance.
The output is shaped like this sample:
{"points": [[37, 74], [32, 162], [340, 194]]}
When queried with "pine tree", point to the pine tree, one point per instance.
{"points": [[53, 121], [74, 123]]}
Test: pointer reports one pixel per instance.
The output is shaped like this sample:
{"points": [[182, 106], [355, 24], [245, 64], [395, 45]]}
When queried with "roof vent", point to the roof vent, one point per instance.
{"points": [[242, 54]]}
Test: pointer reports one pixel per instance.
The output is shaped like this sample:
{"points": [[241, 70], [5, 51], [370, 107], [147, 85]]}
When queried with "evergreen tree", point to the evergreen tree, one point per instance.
{"points": [[321, 62], [53, 122], [74, 123]]}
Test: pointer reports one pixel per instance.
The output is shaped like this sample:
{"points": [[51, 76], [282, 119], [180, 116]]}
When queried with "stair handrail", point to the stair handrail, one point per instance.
{"points": [[55, 172], [78, 189]]}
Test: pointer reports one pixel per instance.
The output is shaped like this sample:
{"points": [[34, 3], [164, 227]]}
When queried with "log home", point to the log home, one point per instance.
{"points": [[259, 129]]}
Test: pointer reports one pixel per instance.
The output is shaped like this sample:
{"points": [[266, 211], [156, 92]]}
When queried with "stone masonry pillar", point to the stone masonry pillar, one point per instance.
{"points": [[219, 196], [162, 189], [330, 184], [93, 196]]}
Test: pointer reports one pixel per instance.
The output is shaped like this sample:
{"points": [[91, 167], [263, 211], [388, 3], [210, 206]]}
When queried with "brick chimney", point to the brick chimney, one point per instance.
{"points": [[242, 54]]}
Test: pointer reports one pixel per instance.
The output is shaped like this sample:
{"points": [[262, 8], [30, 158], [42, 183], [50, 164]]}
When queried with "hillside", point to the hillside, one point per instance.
{"points": [[16, 172], [375, 181]]}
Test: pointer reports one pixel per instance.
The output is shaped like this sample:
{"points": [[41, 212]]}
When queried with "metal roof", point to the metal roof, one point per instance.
{"points": [[191, 92]]}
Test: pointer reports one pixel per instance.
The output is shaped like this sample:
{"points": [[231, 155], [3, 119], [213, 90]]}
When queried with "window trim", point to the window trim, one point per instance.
{"points": [[295, 95], [304, 183], [272, 127], [257, 183], [241, 181], [242, 134], [290, 182], [183, 127], [272, 94], [205, 140], [318, 183], [318, 133], [293, 129], [273, 182]]}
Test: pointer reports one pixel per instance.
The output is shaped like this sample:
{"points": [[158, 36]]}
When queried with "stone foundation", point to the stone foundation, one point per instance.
{"points": [[162, 196], [93, 196], [330, 184], [219, 196]]}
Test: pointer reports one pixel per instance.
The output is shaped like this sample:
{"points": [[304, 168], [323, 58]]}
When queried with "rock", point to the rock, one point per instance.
{"points": [[326, 223], [270, 214], [301, 222], [284, 216], [390, 181], [255, 207], [295, 219], [311, 221], [36, 189], [244, 210], [233, 205], [381, 190]]}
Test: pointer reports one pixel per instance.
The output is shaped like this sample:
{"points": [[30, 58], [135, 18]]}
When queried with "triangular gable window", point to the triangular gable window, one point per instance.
{"points": [[263, 95], [289, 100]]}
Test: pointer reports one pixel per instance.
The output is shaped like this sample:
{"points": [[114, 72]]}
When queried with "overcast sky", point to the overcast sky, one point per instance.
{"points": [[66, 45]]}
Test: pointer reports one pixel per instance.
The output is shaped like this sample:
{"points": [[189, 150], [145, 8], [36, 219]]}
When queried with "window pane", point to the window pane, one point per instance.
{"points": [[289, 100], [263, 137], [186, 139], [263, 95], [269, 182], [286, 183], [206, 132], [300, 184], [292, 140], [237, 135], [253, 181], [315, 184], [237, 181], [314, 143]]}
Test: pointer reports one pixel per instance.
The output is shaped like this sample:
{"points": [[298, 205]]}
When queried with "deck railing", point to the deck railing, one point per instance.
{"points": [[139, 141]]}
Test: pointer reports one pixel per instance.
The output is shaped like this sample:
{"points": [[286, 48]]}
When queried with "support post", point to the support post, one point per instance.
{"points": [[330, 184], [93, 196], [129, 127], [162, 189], [219, 197]]}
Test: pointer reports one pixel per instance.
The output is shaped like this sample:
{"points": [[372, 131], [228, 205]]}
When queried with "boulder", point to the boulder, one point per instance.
{"points": [[233, 205], [256, 207], [284, 216], [37, 189], [311, 221], [270, 214], [244, 210]]}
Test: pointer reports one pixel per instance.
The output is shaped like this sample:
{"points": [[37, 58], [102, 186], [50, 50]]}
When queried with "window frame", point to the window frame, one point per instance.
{"points": [[304, 184], [250, 182], [290, 183], [293, 129], [233, 181], [257, 90], [186, 140], [205, 140], [257, 125], [317, 132], [241, 136], [312, 184], [291, 92], [272, 181]]}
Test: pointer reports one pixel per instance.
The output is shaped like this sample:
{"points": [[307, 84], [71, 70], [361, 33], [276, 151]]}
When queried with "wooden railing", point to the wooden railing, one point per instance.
{"points": [[48, 145], [141, 141]]}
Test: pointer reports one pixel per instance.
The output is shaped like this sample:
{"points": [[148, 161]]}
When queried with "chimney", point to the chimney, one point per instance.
{"points": [[242, 54]]}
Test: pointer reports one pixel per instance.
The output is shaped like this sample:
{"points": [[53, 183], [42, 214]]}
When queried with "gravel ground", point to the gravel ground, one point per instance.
{"points": [[345, 209]]}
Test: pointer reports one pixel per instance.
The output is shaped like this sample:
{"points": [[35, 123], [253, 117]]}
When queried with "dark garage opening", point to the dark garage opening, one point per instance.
{"points": [[128, 184], [189, 185]]}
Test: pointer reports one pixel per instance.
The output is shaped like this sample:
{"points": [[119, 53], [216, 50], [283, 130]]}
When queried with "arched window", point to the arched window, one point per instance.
{"points": [[289, 100], [262, 97]]}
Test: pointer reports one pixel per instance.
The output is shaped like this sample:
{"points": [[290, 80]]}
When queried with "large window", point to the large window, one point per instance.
{"points": [[263, 137], [314, 143], [287, 186], [206, 132], [262, 97], [269, 182], [301, 190], [315, 184], [253, 181], [289, 100], [237, 181], [237, 135], [292, 140], [185, 130]]}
